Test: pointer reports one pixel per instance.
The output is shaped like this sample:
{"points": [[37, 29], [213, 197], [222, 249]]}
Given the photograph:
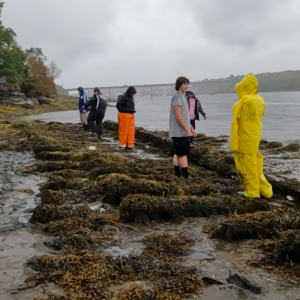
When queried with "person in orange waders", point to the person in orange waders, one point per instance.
{"points": [[126, 108]]}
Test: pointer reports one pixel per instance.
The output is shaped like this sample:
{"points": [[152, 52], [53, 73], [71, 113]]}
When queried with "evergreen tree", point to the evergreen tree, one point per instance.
{"points": [[12, 57]]}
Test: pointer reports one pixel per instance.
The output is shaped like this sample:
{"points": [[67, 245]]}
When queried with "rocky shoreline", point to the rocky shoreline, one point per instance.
{"points": [[118, 225], [9, 112]]}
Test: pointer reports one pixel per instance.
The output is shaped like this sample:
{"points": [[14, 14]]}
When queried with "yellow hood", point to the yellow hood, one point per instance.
{"points": [[247, 86]]}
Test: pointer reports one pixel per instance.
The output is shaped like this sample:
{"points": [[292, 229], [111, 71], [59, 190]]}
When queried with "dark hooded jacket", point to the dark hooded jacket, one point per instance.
{"points": [[125, 103], [96, 103], [198, 107], [82, 99]]}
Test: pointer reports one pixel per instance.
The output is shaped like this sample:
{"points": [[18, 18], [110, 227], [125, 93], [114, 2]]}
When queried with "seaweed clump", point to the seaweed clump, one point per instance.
{"points": [[261, 224], [67, 196], [116, 186], [90, 275], [45, 213], [168, 243], [144, 208], [284, 251], [288, 245], [75, 227], [135, 292]]}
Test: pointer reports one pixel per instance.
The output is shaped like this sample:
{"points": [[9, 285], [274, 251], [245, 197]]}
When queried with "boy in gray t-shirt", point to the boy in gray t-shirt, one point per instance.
{"points": [[180, 129]]}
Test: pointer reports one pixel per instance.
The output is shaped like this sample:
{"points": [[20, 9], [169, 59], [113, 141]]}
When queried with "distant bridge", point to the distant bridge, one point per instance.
{"points": [[125, 86], [146, 86]]}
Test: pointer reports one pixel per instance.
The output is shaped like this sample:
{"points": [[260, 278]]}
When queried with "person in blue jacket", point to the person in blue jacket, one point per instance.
{"points": [[83, 99]]}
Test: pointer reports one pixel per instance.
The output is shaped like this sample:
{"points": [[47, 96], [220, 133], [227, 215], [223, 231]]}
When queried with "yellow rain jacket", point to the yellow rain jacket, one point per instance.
{"points": [[245, 138]]}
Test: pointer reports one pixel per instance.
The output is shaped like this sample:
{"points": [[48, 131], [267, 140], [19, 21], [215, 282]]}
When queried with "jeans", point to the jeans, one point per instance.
{"points": [[98, 117]]}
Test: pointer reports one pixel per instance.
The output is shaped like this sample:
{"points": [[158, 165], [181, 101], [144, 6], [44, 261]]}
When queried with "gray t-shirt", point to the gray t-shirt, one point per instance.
{"points": [[175, 130]]}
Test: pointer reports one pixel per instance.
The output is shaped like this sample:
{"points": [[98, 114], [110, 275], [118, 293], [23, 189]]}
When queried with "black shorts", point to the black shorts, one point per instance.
{"points": [[181, 146]]}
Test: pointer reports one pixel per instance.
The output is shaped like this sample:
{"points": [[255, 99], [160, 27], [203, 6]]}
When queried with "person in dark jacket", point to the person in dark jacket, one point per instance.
{"points": [[126, 108], [83, 112], [195, 107], [97, 113]]}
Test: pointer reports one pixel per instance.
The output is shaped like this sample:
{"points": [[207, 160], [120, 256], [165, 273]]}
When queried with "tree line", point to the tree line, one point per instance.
{"points": [[267, 82], [28, 69]]}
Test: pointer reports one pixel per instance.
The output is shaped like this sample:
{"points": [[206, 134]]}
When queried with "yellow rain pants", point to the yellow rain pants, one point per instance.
{"points": [[245, 139]]}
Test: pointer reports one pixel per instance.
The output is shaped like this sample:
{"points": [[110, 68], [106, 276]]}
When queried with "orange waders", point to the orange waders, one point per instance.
{"points": [[126, 130]]}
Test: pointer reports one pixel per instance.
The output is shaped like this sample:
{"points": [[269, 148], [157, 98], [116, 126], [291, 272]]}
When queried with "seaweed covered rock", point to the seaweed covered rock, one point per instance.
{"points": [[75, 225], [65, 196], [90, 274], [285, 186], [48, 166], [67, 227], [58, 156], [44, 213], [58, 183], [70, 270], [266, 224], [269, 145], [40, 143], [134, 168], [176, 279], [286, 246], [213, 158], [136, 292], [168, 243], [79, 242], [67, 174], [144, 208], [76, 241], [116, 186], [104, 160]]}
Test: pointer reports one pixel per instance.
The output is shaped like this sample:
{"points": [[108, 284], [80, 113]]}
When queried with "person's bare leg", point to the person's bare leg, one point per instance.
{"points": [[176, 165], [183, 161], [175, 160]]}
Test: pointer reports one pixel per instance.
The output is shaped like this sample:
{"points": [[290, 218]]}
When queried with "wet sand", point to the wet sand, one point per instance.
{"points": [[17, 200]]}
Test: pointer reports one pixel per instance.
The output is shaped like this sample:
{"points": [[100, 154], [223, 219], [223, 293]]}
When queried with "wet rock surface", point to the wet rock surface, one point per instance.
{"points": [[88, 253]]}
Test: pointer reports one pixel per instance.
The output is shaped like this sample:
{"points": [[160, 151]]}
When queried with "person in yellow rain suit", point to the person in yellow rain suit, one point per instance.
{"points": [[245, 139]]}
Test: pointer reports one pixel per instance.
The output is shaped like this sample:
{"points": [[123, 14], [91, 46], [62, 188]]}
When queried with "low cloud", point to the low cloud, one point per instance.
{"points": [[101, 43]]}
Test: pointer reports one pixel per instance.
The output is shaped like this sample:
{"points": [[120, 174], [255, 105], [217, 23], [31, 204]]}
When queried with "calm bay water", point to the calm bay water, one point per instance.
{"points": [[280, 123]]}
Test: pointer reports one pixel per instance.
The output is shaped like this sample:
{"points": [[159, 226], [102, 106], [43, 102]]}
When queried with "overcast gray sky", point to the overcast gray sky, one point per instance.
{"points": [[118, 42]]}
